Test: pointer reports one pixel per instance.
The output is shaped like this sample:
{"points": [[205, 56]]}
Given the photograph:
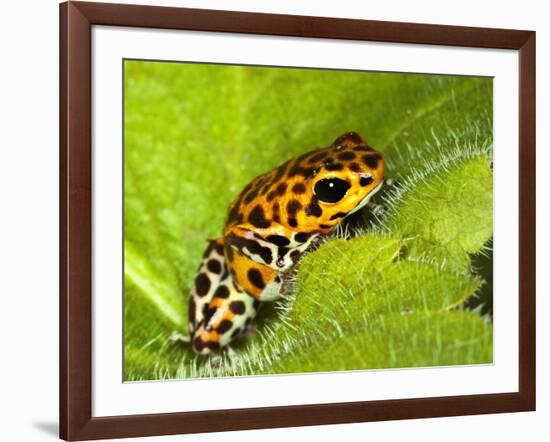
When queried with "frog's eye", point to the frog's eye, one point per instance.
{"points": [[331, 190]]}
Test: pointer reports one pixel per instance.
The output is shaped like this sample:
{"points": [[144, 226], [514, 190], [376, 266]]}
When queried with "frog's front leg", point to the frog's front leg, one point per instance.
{"points": [[378, 205], [276, 247], [258, 280]]}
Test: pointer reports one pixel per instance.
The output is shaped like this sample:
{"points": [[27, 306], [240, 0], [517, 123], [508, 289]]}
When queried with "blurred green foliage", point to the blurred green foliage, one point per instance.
{"points": [[195, 135]]}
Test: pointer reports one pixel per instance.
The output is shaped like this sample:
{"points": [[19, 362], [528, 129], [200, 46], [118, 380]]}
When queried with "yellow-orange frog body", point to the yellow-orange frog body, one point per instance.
{"points": [[270, 226]]}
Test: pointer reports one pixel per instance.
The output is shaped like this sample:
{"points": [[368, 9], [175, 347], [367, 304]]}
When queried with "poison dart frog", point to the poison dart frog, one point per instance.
{"points": [[276, 218]]}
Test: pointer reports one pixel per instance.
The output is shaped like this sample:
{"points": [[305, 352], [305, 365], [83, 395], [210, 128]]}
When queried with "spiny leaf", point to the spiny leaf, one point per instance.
{"points": [[339, 269], [400, 340], [346, 279], [449, 215]]}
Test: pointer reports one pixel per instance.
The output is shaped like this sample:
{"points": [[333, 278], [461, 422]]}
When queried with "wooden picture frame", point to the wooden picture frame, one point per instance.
{"points": [[76, 21]]}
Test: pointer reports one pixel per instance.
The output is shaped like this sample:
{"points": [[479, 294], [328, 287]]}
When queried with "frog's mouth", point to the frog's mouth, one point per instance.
{"points": [[367, 198]]}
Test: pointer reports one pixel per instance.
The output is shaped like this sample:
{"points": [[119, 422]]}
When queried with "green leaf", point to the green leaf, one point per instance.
{"points": [[400, 340], [196, 134], [449, 215]]}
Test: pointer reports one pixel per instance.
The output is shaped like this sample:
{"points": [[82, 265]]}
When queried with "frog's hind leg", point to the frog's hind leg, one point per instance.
{"points": [[226, 316], [219, 310], [211, 271]]}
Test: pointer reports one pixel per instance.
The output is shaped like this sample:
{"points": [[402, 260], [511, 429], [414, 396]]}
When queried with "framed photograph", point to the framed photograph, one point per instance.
{"points": [[274, 220]]}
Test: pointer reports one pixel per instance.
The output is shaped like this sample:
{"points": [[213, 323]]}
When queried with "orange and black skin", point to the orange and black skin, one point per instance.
{"points": [[270, 225]]}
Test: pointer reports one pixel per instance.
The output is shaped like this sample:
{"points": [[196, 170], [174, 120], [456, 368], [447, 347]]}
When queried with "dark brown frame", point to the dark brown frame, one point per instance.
{"points": [[76, 20]]}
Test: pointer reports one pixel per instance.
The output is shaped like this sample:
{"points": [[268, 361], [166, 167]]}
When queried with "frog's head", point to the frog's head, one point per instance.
{"points": [[338, 180], [313, 192]]}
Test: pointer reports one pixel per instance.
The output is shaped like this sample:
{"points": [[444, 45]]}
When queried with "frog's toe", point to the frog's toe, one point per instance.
{"points": [[216, 360], [177, 337], [249, 329]]}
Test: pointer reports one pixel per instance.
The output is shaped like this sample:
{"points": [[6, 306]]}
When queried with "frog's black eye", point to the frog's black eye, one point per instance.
{"points": [[331, 190]]}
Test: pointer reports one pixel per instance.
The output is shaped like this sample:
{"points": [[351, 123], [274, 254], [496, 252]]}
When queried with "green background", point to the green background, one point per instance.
{"points": [[195, 135]]}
